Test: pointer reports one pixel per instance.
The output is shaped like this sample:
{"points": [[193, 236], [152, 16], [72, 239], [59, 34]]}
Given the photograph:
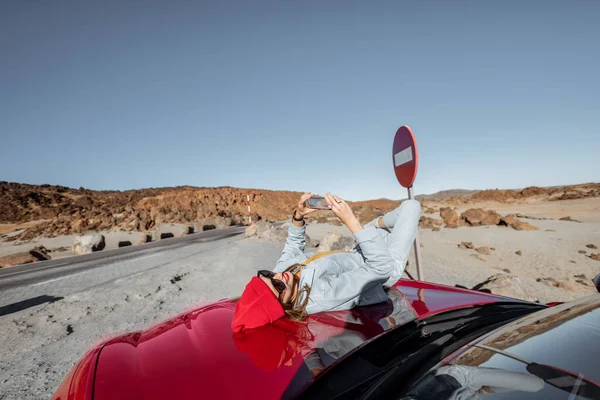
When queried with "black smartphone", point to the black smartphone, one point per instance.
{"points": [[317, 202]]}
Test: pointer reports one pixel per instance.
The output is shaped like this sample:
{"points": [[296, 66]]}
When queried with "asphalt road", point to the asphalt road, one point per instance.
{"points": [[27, 285]]}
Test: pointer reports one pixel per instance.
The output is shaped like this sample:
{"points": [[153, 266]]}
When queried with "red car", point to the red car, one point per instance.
{"points": [[446, 343]]}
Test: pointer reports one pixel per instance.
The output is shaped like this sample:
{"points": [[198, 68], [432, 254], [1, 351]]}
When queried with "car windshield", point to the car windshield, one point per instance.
{"points": [[521, 360], [409, 347]]}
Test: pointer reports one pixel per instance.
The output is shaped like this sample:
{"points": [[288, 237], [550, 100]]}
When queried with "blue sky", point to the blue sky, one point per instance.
{"points": [[299, 95]]}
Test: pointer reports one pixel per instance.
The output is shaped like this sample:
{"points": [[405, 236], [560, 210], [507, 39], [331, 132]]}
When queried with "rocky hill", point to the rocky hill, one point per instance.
{"points": [[61, 210], [446, 194], [571, 192]]}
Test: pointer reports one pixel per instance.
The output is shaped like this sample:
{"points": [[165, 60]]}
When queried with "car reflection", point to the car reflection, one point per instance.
{"points": [[322, 339], [463, 382]]}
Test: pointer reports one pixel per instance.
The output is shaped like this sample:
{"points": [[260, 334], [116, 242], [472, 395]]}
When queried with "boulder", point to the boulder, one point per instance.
{"points": [[505, 285], [568, 218], [449, 216], [548, 281], [39, 253], [591, 246], [271, 232], [250, 230], [429, 223], [335, 241], [479, 216], [466, 245], [88, 243], [568, 286], [483, 250], [144, 238], [517, 224]]}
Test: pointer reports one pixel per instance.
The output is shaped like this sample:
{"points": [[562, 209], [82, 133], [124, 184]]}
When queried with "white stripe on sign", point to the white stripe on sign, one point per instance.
{"points": [[402, 157]]}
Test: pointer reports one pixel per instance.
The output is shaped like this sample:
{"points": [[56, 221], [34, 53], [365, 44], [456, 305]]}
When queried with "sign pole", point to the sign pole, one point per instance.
{"points": [[417, 244]]}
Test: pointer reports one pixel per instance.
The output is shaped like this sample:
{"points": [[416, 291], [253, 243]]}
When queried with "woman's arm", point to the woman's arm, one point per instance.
{"points": [[296, 239]]}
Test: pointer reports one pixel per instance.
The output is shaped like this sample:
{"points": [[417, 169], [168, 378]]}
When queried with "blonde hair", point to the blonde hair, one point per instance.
{"points": [[296, 311]]}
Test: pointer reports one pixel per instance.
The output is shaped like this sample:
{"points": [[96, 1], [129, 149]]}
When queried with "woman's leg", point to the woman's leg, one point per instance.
{"points": [[403, 223]]}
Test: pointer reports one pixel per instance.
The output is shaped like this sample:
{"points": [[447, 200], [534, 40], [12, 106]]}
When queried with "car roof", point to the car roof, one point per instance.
{"points": [[196, 354]]}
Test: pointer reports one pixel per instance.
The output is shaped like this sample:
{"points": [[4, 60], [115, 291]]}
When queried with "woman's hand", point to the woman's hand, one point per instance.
{"points": [[301, 209], [343, 211]]}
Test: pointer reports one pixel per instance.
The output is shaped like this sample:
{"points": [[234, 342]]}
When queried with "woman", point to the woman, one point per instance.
{"points": [[299, 286]]}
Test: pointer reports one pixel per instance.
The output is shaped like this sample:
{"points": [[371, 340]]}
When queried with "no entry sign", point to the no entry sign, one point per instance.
{"points": [[405, 156]]}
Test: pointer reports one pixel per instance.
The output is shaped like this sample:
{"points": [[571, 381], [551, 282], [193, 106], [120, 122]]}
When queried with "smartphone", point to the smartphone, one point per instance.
{"points": [[318, 203]]}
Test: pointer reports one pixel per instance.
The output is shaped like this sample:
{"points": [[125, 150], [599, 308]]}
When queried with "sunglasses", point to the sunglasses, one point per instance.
{"points": [[277, 284]]}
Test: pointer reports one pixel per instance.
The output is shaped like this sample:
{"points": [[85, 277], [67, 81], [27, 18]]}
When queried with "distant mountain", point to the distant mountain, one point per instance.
{"points": [[446, 194]]}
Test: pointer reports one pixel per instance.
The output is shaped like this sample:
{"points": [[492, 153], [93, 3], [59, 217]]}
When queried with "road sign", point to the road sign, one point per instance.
{"points": [[406, 162], [405, 156]]}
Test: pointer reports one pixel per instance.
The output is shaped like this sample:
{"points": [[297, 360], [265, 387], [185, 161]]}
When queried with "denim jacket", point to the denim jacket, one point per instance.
{"points": [[341, 281]]}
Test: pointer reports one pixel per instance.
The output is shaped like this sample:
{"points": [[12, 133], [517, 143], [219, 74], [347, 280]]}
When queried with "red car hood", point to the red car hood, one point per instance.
{"points": [[196, 355]]}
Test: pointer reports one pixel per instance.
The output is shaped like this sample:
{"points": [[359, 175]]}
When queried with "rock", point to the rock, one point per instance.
{"points": [[582, 252], [568, 218], [479, 216], [449, 216], [483, 250], [493, 248], [271, 232], [335, 241], [548, 281], [435, 229], [88, 243], [595, 256], [144, 238], [517, 224], [466, 245], [124, 243], [581, 276], [519, 252], [591, 246], [39, 253], [505, 285], [261, 227], [506, 270], [166, 235], [568, 286], [429, 223], [250, 230]]}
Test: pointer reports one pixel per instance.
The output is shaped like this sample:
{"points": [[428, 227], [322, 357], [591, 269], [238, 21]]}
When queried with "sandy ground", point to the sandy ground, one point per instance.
{"points": [[39, 348]]}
